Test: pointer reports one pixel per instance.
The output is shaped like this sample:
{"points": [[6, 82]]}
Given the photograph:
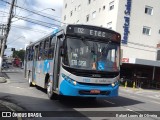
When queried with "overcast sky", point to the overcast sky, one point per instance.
{"points": [[23, 32]]}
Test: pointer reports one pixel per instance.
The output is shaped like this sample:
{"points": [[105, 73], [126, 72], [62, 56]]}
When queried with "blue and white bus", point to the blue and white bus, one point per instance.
{"points": [[77, 60]]}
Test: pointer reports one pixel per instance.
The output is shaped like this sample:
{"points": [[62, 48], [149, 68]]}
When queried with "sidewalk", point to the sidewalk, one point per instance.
{"points": [[3, 77], [4, 108], [138, 89]]}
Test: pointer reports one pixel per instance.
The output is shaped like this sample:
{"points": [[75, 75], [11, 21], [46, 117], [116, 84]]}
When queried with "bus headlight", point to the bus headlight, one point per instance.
{"points": [[74, 82], [114, 84], [69, 79]]}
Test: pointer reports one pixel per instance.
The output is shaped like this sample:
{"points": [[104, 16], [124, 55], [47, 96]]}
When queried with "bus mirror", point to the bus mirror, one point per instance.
{"points": [[62, 51]]}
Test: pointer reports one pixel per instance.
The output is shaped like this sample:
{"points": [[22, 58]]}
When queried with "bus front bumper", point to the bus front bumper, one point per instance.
{"points": [[88, 90]]}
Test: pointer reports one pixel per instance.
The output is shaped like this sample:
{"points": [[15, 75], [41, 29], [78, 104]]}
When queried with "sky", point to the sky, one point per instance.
{"points": [[23, 32]]}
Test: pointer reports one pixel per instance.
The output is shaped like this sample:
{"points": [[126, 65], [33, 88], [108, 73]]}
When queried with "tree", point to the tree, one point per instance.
{"points": [[20, 54]]}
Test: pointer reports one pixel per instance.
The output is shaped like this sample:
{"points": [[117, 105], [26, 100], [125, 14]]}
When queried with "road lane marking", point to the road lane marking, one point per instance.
{"points": [[154, 102], [109, 102], [151, 101], [154, 97], [133, 111], [129, 109]]}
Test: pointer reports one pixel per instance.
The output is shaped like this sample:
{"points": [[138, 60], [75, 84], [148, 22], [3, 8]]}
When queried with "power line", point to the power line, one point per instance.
{"points": [[31, 21], [49, 26], [28, 28], [25, 18], [7, 32], [15, 40], [4, 10], [22, 6], [33, 12]]}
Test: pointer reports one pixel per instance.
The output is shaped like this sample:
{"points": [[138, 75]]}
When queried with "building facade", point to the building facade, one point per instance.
{"points": [[137, 21]]}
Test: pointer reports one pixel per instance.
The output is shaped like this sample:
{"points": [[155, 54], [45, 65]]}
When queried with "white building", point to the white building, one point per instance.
{"points": [[136, 20]]}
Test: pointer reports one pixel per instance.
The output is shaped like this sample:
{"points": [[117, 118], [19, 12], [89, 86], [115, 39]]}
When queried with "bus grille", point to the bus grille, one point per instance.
{"points": [[86, 92], [93, 84], [91, 75]]}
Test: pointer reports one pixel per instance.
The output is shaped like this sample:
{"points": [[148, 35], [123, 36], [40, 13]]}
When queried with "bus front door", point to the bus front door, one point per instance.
{"points": [[57, 60]]}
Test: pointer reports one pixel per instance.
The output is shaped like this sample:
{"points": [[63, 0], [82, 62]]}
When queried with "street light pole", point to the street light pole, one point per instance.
{"points": [[6, 35]]}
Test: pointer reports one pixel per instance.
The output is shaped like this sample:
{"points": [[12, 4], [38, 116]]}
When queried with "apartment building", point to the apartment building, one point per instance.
{"points": [[138, 23]]}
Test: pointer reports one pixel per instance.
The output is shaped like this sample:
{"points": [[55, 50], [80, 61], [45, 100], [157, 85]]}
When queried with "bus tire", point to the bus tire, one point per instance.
{"points": [[50, 93], [29, 80]]}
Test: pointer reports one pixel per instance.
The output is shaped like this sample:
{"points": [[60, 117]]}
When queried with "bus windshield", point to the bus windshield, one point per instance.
{"points": [[91, 55]]}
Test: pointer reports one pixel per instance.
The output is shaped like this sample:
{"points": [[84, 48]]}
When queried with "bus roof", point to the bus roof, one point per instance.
{"points": [[80, 29]]}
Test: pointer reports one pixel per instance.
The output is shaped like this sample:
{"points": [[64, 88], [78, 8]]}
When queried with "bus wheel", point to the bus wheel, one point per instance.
{"points": [[50, 92], [30, 81]]}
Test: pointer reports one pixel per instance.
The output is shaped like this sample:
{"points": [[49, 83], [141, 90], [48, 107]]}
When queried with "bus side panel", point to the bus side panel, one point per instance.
{"points": [[38, 73], [42, 68], [29, 68], [47, 69]]}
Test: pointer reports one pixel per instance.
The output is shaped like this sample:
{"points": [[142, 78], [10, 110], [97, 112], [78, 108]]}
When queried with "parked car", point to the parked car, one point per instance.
{"points": [[5, 65]]}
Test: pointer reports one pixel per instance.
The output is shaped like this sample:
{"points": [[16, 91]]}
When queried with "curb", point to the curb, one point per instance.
{"points": [[3, 80], [138, 89]]}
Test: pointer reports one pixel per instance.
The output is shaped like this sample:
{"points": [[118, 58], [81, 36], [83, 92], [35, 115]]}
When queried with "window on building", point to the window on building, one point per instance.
{"points": [[77, 21], [99, 9], [148, 10], [146, 30], [66, 5], [159, 31], [87, 18], [109, 25], [89, 1], [75, 8], [79, 7], [94, 14], [104, 7], [71, 13], [111, 5], [65, 17]]}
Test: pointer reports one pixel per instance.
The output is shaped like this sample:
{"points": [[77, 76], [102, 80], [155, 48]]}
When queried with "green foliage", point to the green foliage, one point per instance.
{"points": [[20, 54]]}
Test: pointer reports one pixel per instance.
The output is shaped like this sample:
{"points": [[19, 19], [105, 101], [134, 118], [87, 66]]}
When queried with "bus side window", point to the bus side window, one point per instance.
{"points": [[41, 49], [36, 52], [31, 53], [46, 48], [51, 48], [27, 54]]}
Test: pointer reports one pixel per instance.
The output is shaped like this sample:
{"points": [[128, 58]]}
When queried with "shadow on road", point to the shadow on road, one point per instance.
{"points": [[73, 102], [47, 107], [80, 102]]}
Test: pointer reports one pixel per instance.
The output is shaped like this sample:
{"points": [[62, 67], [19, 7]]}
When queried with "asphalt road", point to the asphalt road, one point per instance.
{"points": [[132, 101]]}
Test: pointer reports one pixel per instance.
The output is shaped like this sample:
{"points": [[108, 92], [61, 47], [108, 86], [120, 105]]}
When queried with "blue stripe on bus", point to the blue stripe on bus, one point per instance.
{"points": [[68, 89], [47, 66]]}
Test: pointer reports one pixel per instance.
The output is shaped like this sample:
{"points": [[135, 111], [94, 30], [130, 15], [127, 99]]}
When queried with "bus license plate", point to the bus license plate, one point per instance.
{"points": [[95, 91]]}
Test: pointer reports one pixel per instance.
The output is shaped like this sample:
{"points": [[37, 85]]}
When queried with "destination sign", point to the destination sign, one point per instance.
{"points": [[92, 32]]}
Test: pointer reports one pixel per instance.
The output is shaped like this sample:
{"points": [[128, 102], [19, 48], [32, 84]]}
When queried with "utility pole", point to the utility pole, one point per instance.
{"points": [[7, 32]]}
